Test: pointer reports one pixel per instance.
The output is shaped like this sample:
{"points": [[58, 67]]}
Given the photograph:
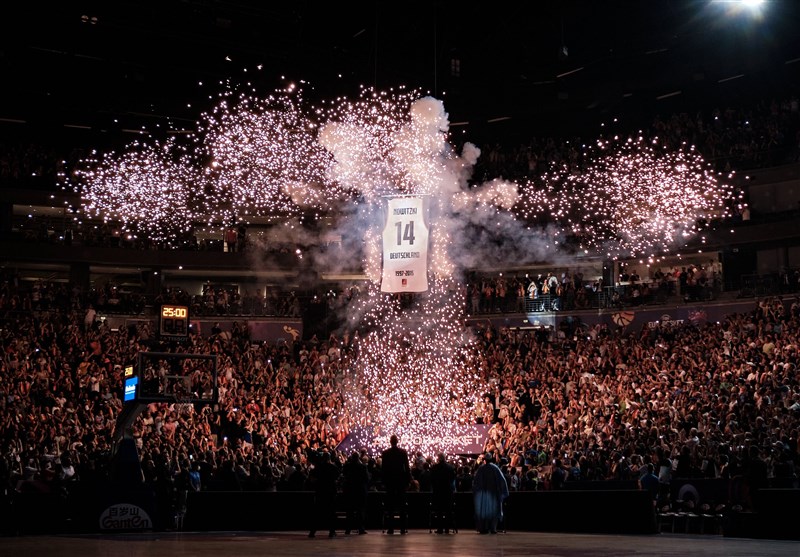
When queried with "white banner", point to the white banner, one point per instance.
{"points": [[405, 247]]}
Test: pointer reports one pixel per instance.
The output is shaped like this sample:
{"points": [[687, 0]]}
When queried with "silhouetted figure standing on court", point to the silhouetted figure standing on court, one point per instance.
{"points": [[443, 487], [324, 476], [356, 485], [490, 489], [396, 474]]}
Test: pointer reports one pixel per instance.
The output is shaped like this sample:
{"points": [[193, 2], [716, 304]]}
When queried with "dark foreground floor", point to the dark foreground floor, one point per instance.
{"points": [[418, 543]]}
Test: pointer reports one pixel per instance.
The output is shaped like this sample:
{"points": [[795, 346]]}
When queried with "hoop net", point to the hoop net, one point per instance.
{"points": [[181, 392]]}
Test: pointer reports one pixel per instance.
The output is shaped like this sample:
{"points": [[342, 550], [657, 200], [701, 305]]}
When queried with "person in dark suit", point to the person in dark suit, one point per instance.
{"points": [[396, 474], [356, 485], [443, 487], [325, 477]]}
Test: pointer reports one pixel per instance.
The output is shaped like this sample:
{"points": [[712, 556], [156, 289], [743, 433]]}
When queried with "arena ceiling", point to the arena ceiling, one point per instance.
{"points": [[502, 68]]}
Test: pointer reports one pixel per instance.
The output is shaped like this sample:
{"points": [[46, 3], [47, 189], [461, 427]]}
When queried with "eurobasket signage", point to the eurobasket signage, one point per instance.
{"points": [[461, 439]]}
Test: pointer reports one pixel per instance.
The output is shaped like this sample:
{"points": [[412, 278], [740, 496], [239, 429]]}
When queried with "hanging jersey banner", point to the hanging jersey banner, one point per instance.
{"points": [[405, 247]]}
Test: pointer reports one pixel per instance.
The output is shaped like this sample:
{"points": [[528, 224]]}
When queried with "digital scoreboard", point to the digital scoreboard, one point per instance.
{"points": [[173, 322]]}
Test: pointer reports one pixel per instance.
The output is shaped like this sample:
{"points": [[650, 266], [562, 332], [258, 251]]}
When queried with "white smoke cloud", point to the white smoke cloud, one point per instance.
{"points": [[475, 220]]}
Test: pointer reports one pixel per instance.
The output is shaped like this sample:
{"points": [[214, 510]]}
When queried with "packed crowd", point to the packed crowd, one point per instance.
{"points": [[570, 290], [599, 407], [731, 138], [595, 405]]}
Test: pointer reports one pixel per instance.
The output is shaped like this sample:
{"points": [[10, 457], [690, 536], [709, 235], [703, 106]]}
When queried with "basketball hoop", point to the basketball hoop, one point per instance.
{"points": [[183, 403], [181, 393], [181, 379]]}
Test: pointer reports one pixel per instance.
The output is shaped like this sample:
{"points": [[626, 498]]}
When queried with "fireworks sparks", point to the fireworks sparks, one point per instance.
{"points": [[276, 155], [414, 375], [386, 143], [631, 198], [262, 151], [148, 190]]}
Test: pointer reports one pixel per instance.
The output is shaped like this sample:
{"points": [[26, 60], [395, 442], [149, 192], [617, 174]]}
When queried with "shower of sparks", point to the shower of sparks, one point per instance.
{"points": [[415, 374], [386, 143], [147, 190], [631, 198], [260, 151]]}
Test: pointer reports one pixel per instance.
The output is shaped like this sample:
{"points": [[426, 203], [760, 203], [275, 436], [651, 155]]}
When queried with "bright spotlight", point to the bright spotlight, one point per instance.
{"points": [[753, 7]]}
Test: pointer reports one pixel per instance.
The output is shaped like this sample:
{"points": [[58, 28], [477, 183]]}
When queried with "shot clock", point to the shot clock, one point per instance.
{"points": [[173, 322]]}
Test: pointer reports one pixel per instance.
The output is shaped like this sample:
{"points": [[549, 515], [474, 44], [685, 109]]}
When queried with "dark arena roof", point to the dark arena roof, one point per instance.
{"points": [[95, 75], [505, 70]]}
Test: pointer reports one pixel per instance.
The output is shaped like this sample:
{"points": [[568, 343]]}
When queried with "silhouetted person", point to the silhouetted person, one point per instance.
{"points": [[396, 474], [126, 469], [489, 489], [324, 477], [756, 475], [649, 482], [356, 485], [443, 487]]}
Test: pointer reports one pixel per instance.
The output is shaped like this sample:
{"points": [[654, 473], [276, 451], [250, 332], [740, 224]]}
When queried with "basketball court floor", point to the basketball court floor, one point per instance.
{"points": [[417, 543]]}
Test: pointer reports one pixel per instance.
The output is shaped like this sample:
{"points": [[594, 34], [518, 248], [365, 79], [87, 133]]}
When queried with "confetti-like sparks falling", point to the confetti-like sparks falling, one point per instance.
{"points": [[631, 198], [147, 190], [413, 376], [261, 150], [415, 373]]}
